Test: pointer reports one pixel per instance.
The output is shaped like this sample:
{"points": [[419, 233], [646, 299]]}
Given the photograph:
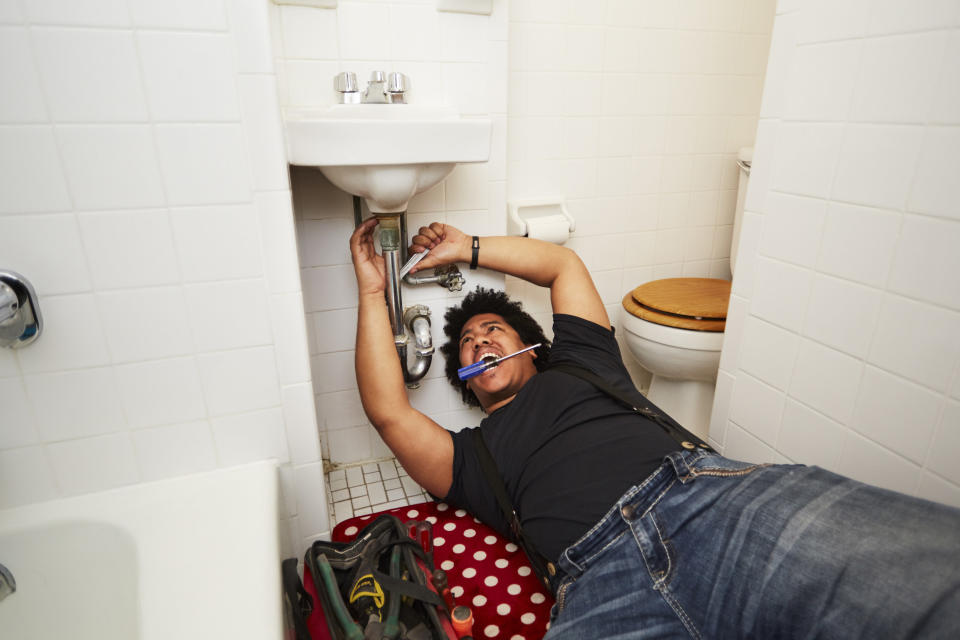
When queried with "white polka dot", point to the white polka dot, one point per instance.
{"points": [[469, 533], [477, 520], [491, 631], [490, 581], [503, 609], [432, 519], [349, 531], [365, 517], [439, 542], [527, 618], [511, 547], [457, 591], [469, 572], [446, 565], [449, 526], [517, 637], [501, 563], [490, 539], [458, 548], [442, 506], [479, 601], [479, 555], [538, 598], [413, 513], [514, 589], [459, 513], [524, 571]]}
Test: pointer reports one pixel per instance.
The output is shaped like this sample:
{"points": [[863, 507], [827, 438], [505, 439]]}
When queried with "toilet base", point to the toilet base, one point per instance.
{"points": [[689, 402]]}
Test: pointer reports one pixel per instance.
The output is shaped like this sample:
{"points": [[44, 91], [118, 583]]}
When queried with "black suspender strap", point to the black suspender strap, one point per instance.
{"points": [[543, 567], [685, 438]]}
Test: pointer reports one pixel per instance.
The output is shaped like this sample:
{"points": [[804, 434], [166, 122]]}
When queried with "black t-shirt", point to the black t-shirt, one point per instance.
{"points": [[566, 451]]}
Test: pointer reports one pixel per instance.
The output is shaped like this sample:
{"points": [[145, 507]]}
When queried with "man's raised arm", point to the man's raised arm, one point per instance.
{"points": [[424, 448], [548, 265]]}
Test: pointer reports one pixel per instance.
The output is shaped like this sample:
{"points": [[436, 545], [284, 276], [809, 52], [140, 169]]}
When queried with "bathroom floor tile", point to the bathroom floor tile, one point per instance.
{"points": [[368, 487]]}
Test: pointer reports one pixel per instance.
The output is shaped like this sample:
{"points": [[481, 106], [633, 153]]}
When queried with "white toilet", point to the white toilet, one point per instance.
{"points": [[674, 328]]}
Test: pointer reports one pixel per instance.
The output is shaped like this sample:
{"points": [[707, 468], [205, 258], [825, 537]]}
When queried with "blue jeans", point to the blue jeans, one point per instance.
{"points": [[714, 548]]}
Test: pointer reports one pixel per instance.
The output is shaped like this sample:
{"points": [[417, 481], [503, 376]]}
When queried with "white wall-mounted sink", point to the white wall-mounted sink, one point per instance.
{"points": [[386, 153]]}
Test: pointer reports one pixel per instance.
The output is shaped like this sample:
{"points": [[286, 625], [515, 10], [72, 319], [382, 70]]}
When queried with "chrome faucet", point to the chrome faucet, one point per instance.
{"points": [[382, 88], [7, 584], [20, 320]]}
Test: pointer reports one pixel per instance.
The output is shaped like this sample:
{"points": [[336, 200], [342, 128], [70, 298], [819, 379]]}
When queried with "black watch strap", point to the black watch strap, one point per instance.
{"points": [[476, 252]]}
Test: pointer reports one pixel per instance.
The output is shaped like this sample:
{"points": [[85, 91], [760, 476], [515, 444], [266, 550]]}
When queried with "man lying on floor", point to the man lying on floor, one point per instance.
{"points": [[643, 537]]}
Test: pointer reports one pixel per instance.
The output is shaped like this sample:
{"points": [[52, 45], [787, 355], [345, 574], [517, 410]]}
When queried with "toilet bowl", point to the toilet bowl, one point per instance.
{"points": [[674, 329]]}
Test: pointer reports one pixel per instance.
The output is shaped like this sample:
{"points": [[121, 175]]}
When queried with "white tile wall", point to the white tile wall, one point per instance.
{"points": [[858, 276], [144, 192]]}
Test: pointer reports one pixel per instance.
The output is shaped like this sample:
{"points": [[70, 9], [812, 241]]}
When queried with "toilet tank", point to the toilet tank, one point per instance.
{"points": [[744, 160]]}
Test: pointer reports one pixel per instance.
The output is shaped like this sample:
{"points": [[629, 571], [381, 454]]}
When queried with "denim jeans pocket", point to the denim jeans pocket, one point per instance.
{"points": [[715, 465]]}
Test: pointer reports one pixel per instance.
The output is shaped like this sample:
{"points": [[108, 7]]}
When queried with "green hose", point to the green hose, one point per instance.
{"points": [[392, 626]]}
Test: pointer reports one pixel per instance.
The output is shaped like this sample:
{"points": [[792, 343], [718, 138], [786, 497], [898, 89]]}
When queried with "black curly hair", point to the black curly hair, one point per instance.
{"points": [[488, 301]]}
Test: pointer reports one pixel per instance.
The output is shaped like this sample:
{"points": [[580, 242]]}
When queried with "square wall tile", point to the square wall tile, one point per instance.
{"points": [[945, 108], [145, 324], [228, 315], [325, 242], [75, 404], [364, 31], [757, 408], [826, 380], [174, 450], [809, 437], [249, 437], [897, 16], [25, 477], [846, 251], [146, 390], [822, 81], [253, 42], [19, 81], [806, 159], [128, 249], [204, 164], [793, 228], [106, 13], [898, 78], [927, 263], [94, 464], [189, 76], [308, 33], [875, 165], [217, 242], [47, 250], [19, 424], [896, 413], [868, 462], [90, 75], [334, 372], [311, 505], [781, 292], [335, 330], [946, 442], [349, 445], [823, 20], [73, 336], [263, 126], [300, 423], [278, 240], [935, 189], [842, 314], [31, 177], [111, 166], [326, 288], [179, 14], [741, 445], [768, 352], [917, 341], [239, 380], [290, 337]]}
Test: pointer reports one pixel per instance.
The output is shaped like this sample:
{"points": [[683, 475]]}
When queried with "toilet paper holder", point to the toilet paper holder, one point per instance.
{"points": [[520, 211]]}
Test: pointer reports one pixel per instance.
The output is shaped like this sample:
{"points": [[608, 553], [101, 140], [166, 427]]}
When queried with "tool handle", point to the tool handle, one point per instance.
{"points": [[472, 370]]}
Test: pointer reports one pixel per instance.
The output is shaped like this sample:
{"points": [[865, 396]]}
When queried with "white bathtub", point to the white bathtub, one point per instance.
{"points": [[191, 557]]}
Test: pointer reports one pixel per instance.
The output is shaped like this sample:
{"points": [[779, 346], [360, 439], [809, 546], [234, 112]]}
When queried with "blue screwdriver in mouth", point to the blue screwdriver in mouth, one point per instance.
{"points": [[488, 362]]}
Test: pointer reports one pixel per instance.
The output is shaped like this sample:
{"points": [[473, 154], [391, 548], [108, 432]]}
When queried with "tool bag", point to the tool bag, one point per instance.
{"points": [[377, 586]]}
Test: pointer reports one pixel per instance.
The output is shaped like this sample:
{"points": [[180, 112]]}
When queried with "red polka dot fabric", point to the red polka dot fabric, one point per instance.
{"points": [[485, 572]]}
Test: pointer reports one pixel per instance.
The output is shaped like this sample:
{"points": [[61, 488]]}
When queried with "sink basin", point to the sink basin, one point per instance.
{"points": [[386, 153]]}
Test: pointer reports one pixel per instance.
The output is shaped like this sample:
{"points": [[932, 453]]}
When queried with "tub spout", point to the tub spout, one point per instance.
{"points": [[7, 584]]}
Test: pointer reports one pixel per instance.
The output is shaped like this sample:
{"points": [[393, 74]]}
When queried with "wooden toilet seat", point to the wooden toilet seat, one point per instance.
{"points": [[698, 304]]}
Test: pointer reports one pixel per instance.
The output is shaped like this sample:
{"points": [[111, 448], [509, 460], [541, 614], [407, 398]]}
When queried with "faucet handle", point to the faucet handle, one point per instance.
{"points": [[346, 84], [397, 84], [378, 76]]}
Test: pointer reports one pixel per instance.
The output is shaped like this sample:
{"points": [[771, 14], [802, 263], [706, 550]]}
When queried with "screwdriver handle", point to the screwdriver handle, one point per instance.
{"points": [[472, 370]]}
